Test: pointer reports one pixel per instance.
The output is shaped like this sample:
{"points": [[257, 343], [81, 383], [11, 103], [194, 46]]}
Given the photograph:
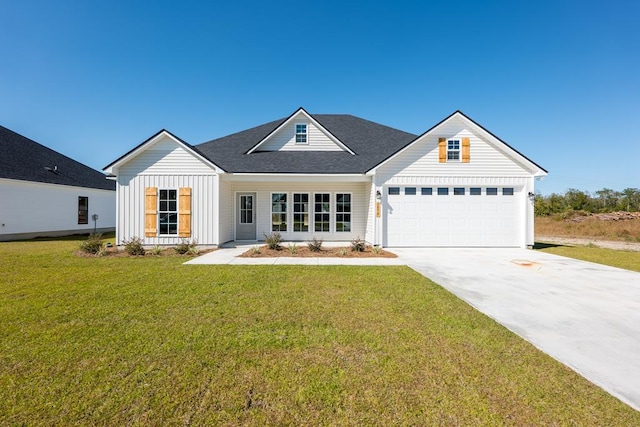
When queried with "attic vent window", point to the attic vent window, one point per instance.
{"points": [[301, 133]]}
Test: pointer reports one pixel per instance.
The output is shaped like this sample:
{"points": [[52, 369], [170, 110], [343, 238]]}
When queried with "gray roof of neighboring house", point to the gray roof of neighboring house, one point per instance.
{"points": [[26, 160], [371, 142]]}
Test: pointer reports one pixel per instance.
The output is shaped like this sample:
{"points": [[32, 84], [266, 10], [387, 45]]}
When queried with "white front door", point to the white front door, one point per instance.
{"points": [[245, 216]]}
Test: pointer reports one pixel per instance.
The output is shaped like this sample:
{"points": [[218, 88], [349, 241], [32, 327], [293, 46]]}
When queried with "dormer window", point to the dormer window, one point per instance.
{"points": [[453, 149], [301, 133]]}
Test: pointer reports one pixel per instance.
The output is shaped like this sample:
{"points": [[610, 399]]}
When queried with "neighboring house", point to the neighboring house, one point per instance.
{"points": [[334, 177], [44, 193]]}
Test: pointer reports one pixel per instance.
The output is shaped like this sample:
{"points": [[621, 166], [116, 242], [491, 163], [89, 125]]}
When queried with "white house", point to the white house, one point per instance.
{"points": [[335, 177], [44, 193]]}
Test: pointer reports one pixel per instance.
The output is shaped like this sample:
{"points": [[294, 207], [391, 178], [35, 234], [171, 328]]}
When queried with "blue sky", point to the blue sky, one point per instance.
{"points": [[557, 80]]}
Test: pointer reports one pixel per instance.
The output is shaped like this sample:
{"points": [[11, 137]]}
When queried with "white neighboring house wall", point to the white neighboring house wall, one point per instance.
{"points": [[33, 209], [167, 165]]}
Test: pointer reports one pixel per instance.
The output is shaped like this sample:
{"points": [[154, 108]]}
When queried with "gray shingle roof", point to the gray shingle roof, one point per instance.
{"points": [[372, 143], [26, 160]]}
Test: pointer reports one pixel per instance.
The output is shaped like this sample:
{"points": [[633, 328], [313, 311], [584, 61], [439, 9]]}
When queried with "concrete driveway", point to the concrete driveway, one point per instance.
{"points": [[585, 315]]}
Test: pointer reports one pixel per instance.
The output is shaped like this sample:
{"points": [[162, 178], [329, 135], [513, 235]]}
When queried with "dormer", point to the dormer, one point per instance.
{"points": [[300, 132]]}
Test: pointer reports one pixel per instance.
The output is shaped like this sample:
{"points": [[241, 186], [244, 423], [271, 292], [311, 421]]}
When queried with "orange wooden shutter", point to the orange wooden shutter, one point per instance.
{"points": [[466, 152], [184, 212], [151, 211], [442, 150]]}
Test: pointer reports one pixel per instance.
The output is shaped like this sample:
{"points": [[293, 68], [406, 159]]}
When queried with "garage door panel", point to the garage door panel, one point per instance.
{"points": [[452, 220]]}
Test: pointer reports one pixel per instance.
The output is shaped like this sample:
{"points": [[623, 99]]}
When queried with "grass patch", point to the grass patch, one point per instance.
{"points": [[146, 340], [628, 260]]}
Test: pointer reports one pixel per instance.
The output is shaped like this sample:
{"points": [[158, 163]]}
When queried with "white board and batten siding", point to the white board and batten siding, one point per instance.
{"points": [[166, 165], [359, 207], [31, 209], [285, 139]]}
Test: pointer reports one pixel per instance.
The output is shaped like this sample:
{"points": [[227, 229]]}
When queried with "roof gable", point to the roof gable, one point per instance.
{"points": [[26, 160], [489, 138], [316, 136], [157, 141]]}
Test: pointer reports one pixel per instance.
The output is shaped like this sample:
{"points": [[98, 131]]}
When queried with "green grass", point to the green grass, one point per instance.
{"points": [[628, 260], [148, 341]]}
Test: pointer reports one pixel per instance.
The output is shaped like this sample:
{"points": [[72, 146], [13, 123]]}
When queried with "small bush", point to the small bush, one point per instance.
{"points": [[255, 250], [376, 250], [342, 252], [156, 250], [357, 245], [273, 240], [187, 247], [315, 245], [93, 245], [293, 248], [134, 246]]}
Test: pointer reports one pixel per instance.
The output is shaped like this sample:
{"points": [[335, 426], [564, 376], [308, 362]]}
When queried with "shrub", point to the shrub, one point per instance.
{"points": [[93, 245], [293, 249], [357, 245], [187, 246], [134, 246], [342, 252], [273, 240], [255, 250], [315, 245], [156, 250], [376, 250]]}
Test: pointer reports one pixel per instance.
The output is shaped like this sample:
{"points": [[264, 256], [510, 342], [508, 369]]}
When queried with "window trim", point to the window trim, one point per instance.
{"points": [[85, 211], [350, 213], [160, 212], [307, 212], [304, 134], [286, 212], [322, 213], [456, 151]]}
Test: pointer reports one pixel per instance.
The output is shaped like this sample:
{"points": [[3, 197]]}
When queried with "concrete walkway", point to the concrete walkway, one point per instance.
{"points": [[585, 315], [230, 255]]}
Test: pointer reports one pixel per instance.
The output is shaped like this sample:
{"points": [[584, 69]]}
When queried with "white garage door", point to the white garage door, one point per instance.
{"points": [[452, 216]]}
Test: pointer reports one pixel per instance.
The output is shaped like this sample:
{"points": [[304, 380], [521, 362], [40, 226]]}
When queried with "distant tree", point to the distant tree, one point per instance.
{"points": [[577, 200], [630, 200], [608, 199]]}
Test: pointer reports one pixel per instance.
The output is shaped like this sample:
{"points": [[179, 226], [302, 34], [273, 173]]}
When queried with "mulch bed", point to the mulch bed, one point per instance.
{"points": [[303, 251], [114, 252]]}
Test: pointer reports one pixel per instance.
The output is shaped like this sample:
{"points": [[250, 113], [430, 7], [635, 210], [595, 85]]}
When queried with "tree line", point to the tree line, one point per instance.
{"points": [[601, 201]]}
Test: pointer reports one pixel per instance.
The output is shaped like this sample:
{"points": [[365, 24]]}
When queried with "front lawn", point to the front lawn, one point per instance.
{"points": [[138, 341]]}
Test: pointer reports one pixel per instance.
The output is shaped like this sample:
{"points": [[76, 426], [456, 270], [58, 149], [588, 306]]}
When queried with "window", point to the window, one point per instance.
{"points": [[426, 191], [168, 212], [508, 191], [246, 209], [300, 212], [458, 191], [83, 210], [443, 191], [394, 191], [410, 191], [492, 191], [453, 149], [279, 212], [475, 191], [301, 133], [322, 212], [343, 212]]}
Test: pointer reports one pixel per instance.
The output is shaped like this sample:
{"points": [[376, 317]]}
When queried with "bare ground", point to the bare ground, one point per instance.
{"points": [[586, 241]]}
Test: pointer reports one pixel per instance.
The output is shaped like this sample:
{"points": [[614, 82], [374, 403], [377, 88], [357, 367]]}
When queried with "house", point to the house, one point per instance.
{"points": [[45, 193], [334, 177]]}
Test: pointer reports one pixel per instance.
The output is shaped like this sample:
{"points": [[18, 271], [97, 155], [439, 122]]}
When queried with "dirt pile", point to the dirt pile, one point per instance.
{"points": [[611, 216]]}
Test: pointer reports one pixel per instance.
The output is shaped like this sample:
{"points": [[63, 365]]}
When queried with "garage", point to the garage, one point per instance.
{"points": [[452, 216]]}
